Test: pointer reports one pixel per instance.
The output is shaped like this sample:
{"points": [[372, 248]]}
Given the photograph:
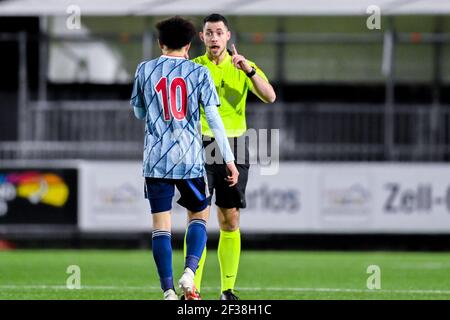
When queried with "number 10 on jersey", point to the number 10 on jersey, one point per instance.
{"points": [[170, 106]]}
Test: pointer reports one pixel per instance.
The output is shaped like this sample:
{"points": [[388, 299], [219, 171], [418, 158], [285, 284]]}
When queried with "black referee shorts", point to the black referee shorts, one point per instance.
{"points": [[226, 196]]}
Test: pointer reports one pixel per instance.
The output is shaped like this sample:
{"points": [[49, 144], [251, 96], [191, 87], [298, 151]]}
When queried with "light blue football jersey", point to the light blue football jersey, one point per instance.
{"points": [[172, 90]]}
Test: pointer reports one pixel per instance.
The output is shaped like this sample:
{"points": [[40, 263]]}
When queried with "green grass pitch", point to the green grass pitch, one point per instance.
{"points": [[265, 275]]}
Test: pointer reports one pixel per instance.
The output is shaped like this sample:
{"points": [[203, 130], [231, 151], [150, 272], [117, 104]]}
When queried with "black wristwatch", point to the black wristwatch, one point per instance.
{"points": [[251, 73]]}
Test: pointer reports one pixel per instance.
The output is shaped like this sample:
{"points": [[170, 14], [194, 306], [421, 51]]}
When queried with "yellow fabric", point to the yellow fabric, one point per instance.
{"points": [[229, 252], [232, 85]]}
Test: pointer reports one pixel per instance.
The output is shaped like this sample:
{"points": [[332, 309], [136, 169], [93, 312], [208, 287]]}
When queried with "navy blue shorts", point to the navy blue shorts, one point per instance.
{"points": [[160, 193]]}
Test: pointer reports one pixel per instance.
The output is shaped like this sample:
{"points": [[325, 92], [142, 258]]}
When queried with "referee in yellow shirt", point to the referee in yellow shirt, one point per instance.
{"points": [[233, 76]]}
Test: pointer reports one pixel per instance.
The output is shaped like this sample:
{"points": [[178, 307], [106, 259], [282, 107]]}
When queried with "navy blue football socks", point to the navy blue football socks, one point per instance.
{"points": [[162, 253], [195, 243]]}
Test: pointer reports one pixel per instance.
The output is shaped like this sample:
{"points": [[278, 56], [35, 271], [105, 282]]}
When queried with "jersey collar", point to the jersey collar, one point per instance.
{"points": [[172, 57], [222, 63]]}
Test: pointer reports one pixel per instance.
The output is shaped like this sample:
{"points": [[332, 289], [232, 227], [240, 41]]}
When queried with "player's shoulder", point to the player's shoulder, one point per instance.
{"points": [[145, 64], [200, 68], [140, 65]]}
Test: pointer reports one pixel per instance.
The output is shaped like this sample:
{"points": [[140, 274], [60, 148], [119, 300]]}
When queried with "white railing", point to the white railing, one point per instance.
{"points": [[323, 132]]}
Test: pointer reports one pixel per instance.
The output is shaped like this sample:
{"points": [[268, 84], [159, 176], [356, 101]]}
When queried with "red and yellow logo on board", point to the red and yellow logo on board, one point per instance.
{"points": [[47, 188]]}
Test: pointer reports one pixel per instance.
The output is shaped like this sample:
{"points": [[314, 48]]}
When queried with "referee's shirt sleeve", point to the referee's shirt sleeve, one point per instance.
{"points": [[137, 98], [208, 92]]}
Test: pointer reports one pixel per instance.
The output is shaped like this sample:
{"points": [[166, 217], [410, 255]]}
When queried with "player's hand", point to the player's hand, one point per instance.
{"points": [[233, 174], [239, 61]]}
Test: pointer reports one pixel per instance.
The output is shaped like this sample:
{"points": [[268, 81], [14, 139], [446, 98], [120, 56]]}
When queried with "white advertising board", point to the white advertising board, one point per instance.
{"points": [[112, 197], [300, 197]]}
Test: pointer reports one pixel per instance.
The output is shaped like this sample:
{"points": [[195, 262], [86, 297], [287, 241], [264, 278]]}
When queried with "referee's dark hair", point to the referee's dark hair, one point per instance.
{"points": [[175, 32], [215, 17]]}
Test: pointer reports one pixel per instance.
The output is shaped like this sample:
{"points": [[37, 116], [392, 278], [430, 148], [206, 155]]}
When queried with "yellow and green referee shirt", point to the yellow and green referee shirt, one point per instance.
{"points": [[232, 86]]}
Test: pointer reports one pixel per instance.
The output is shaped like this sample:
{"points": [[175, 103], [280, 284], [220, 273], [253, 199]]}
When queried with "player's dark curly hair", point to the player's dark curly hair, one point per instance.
{"points": [[215, 17], [175, 32]]}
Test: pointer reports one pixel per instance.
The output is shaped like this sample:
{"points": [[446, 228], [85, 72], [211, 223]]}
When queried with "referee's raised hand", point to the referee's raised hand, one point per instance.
{"points": [[239, 61]]}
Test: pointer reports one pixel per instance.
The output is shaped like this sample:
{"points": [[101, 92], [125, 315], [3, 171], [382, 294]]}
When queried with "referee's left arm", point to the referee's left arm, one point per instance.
{"points": [[261, 87]]}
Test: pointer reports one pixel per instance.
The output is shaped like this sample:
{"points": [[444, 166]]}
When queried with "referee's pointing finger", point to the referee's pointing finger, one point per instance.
{"points": [[233, 48]]}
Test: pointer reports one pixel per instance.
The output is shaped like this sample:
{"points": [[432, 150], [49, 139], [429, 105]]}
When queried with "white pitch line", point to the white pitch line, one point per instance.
{"points": [[61, 287], [348, 290], [152, 288]]}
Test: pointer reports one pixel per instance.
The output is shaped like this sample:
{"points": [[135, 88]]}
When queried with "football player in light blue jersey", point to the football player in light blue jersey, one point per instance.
{"points": [[168, 93]]}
